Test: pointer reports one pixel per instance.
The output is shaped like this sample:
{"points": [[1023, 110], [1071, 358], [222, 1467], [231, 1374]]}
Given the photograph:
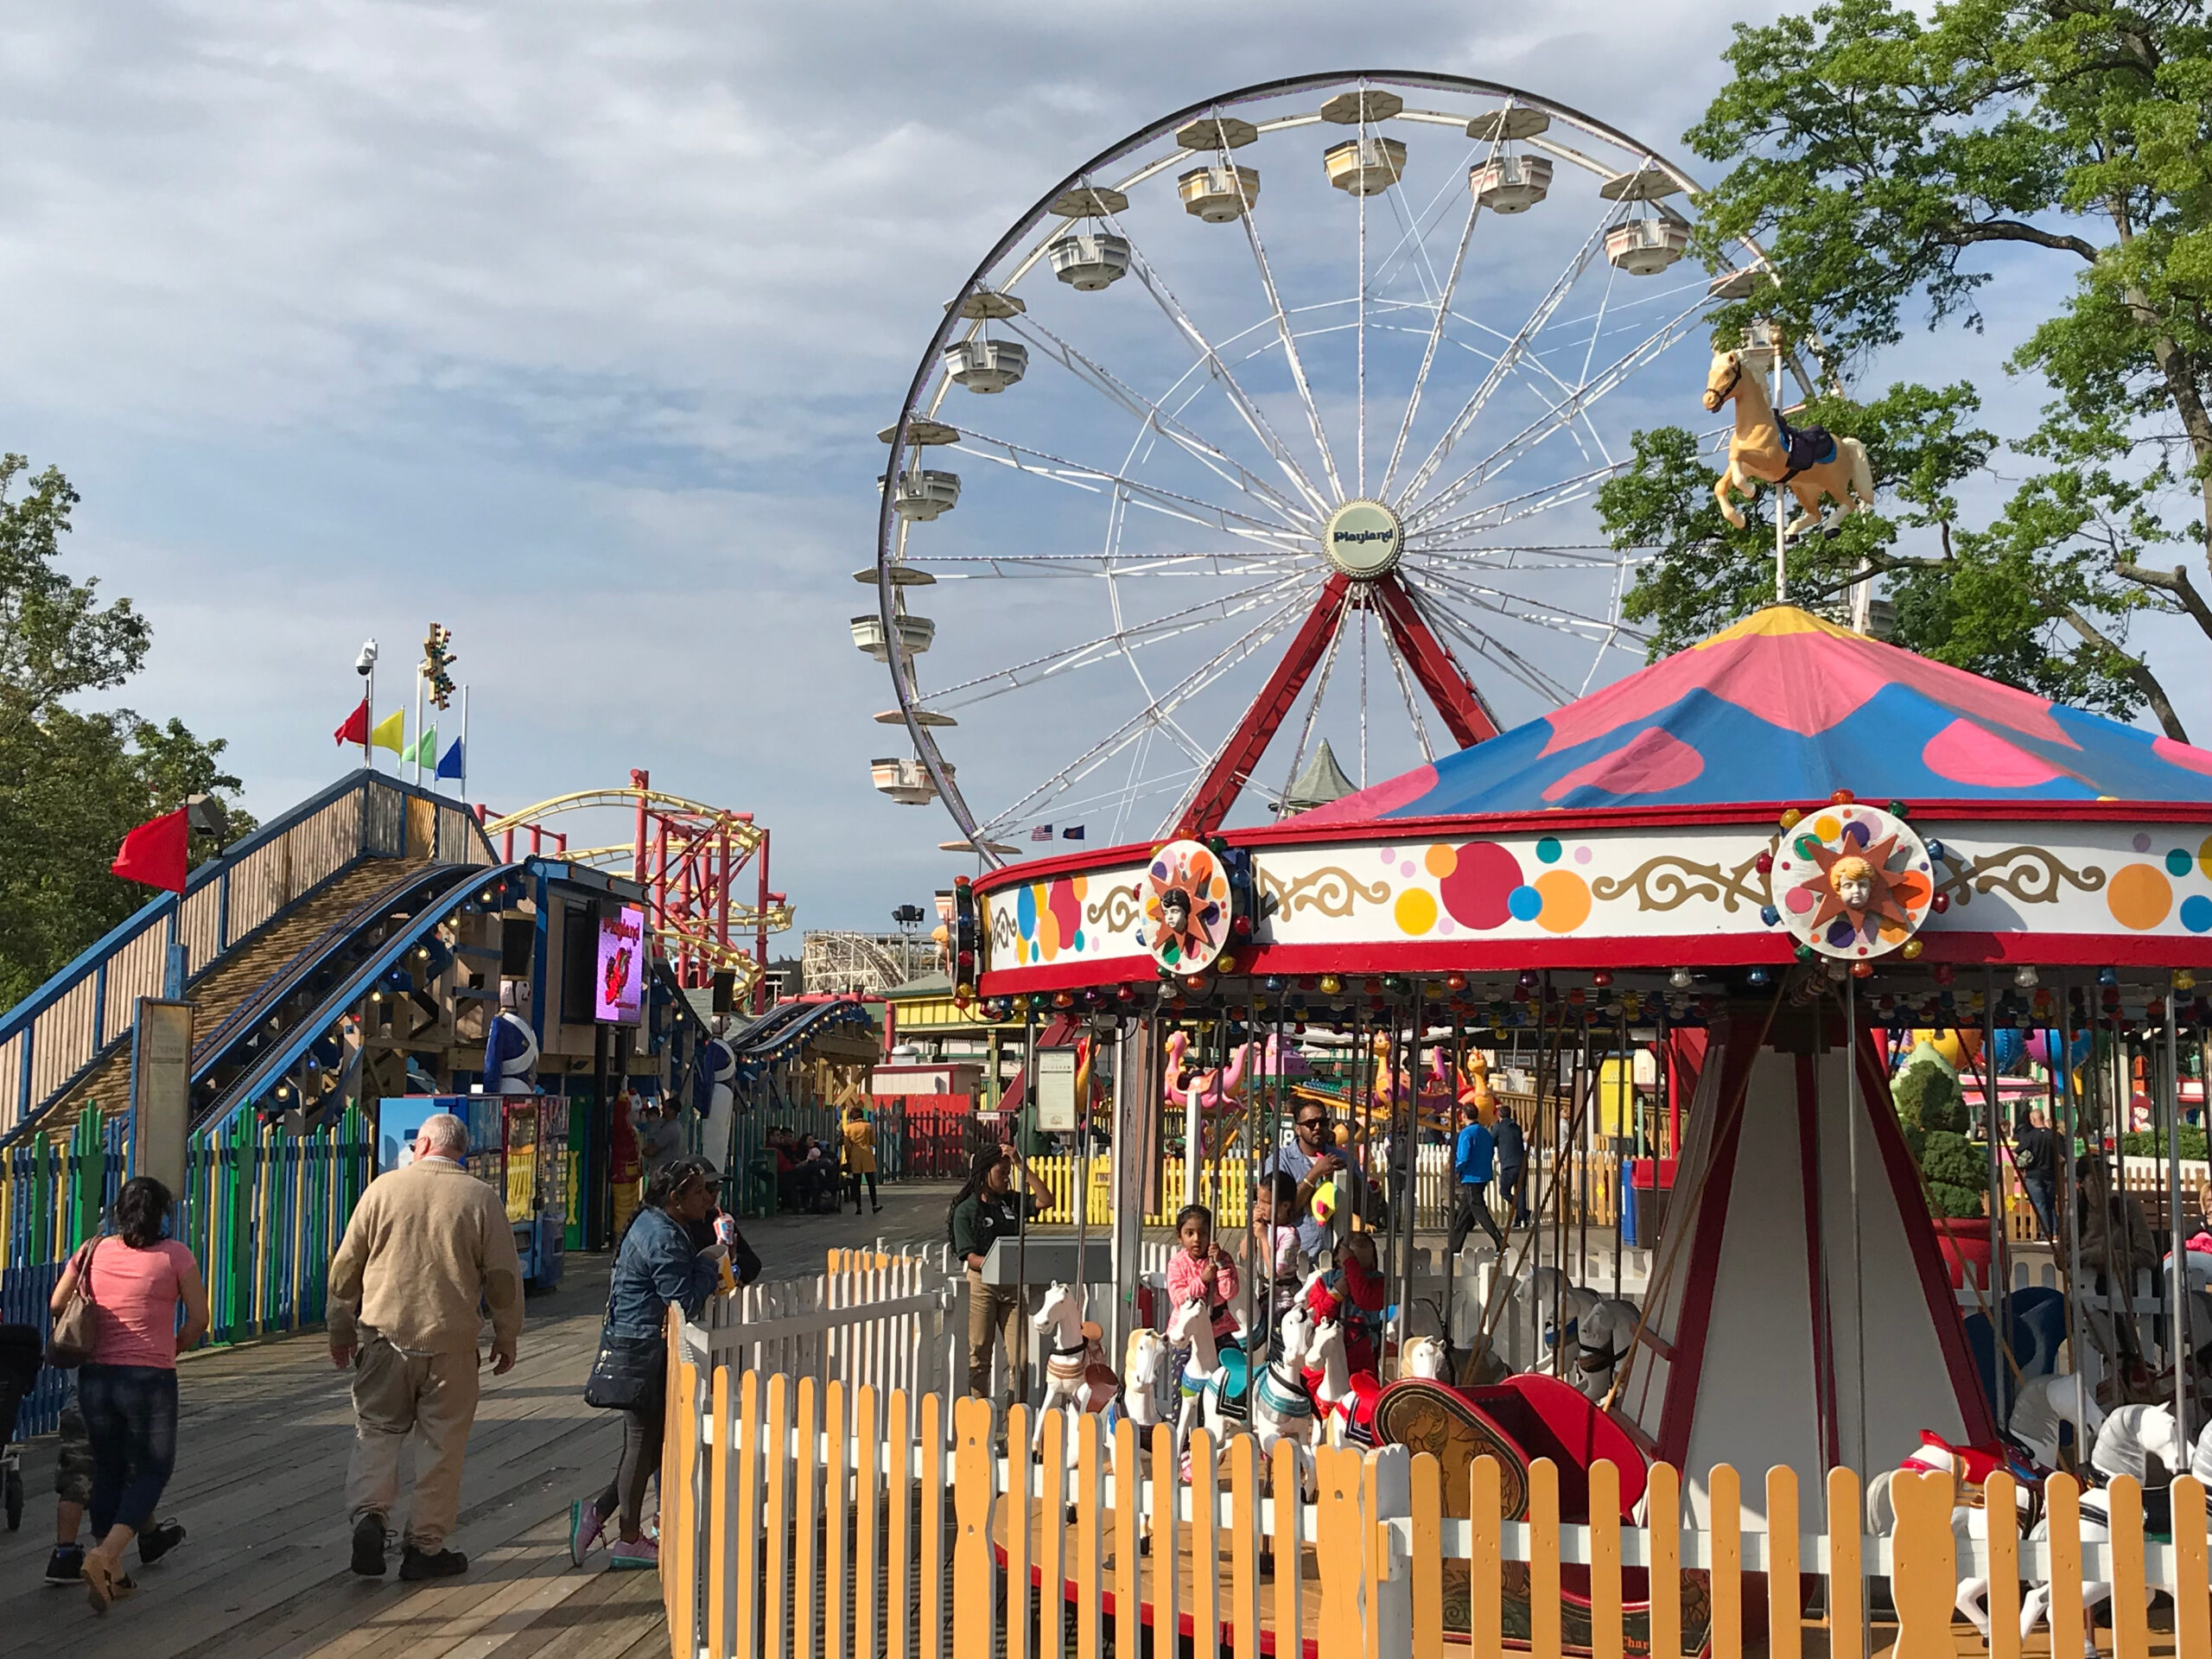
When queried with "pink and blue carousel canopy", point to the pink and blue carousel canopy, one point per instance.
{"points": [[1786, 707]]}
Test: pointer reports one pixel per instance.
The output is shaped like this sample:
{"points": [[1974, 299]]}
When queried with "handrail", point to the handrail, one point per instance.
{"points": [[53, 1037], [245, 1088]]}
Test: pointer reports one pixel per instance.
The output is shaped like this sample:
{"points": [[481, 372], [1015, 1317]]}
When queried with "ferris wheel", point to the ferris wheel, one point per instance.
{"points": [[1257, 459]]}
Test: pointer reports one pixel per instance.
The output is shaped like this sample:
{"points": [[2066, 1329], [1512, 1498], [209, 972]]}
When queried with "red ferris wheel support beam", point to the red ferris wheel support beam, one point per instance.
{"points": [[1232, 764], [1439, 671]]}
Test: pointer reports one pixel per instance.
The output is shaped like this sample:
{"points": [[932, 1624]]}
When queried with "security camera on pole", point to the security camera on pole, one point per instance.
{"points": [[365, 664]]}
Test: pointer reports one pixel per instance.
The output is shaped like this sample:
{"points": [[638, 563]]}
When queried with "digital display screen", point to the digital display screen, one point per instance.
{"points": [[618, 989]]}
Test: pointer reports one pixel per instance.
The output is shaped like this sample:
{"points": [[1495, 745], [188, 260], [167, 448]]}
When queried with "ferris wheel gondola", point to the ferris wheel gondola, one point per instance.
{"points": [[1283, 439]]}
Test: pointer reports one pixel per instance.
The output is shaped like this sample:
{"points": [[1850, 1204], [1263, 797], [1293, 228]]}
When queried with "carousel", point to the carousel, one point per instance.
{"points": [[1770, 858], [1766, 869]]}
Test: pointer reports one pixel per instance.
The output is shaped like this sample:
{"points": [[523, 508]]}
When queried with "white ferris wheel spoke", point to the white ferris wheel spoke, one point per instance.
{"points": [[1204, 614], [1488, 647], [1290, 351], [1141, 268], [1314, 701], [1156, 716], [1406, 690], [1101, 380], [1503, 366], [1210, 562], [1492, 515], [1097, 479], [1521, 608], [1576, 407], [1428, 351]]}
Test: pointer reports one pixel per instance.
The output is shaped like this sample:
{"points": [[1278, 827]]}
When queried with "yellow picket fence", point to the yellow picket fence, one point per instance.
{"points": [[1222, 1188], [800, 1519]]}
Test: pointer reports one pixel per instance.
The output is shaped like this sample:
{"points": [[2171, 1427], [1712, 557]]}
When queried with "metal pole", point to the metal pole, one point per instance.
{"points": [[463, 782], [2177, 1314], [1781, 493], [1022, 1207], [2000, 1288], [418, 728]]}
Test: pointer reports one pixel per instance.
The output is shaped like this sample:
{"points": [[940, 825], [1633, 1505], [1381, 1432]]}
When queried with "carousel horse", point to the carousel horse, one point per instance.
{"points": [[1145, 1382], [1425, 1356], [1603, 1338], [1282, 1409], [1559, 1304], [1075, 1380], [1343, 1403], [2145, 1443], [1214, 1379], [2048, 1406], [1766, 449]]}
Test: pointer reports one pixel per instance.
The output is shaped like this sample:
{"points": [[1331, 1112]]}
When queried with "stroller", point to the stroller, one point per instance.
{"points": [[21, 1353]]}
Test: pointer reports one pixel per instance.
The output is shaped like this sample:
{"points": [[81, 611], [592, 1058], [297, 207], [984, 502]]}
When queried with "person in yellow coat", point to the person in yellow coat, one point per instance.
{"points": [[860, 1157]]}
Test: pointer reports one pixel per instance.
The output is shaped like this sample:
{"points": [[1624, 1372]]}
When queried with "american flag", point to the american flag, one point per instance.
{"points": [[1042, 832]]}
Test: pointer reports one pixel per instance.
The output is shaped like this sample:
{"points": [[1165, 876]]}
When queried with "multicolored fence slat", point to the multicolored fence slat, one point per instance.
{"points": [[262, 1209]]}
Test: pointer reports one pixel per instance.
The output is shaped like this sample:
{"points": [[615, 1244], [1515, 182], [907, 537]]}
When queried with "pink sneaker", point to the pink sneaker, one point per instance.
{"points": [[634, 1553]]}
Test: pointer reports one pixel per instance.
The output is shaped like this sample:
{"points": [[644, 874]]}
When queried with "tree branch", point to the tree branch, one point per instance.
{"points": [[2012, 230], [2138, 672], [2175, 582]]}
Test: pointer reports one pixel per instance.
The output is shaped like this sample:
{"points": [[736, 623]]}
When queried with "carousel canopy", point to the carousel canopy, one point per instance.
{"points": [[1785, 706]]}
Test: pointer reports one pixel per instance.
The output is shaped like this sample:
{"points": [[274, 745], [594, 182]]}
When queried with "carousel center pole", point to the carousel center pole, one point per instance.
{"points": [[2178, 1280], [1133, 1066]]}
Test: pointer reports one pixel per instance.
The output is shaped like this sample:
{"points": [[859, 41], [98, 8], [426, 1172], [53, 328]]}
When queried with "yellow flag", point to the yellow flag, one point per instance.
{"points": [[390, 732]]}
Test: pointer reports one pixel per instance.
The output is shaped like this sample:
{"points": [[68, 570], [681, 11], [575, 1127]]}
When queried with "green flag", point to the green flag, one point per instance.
{"points": [[424, 750]]}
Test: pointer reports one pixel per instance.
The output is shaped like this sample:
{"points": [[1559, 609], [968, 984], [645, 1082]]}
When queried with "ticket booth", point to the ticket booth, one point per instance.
{"points": [[518, 1145]]}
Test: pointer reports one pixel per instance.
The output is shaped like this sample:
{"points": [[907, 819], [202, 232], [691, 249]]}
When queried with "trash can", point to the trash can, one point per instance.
{"points": [[1651, 1184]]}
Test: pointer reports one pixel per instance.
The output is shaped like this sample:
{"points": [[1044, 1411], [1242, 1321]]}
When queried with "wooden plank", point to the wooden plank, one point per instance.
{"points": [[1052, 1528], [723, 1574], [1846, 1574], [1167, 1538], [684, 1627], [1021, 1540], [1427, 1558], [931, 1554], [900, 1632], [2192, 1571], [776, 1518], [1543, 1559], [1205, 1547], [1129, 1528], [1923, 1580], [1485, 1601], [2131, 1625], [746, 1531], [1725, 1533], [1243, 1609], [869, 1591], [1090, 1538], [2063, 1508], [1336, 1529], [973, 1478], [2000, 1502], [1605, 1559], [836, 1631], [1289, 1539], [1785, 1604], [806, 1591]]}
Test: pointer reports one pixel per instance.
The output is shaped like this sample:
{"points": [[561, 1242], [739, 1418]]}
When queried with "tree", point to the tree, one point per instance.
{"points": [[70, 782], [1934, 1116], [1881, 159]]}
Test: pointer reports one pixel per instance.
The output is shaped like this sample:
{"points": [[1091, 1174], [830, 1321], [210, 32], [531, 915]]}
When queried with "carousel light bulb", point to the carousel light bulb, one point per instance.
{"points": [[1330, 985], [2184, 981], [1601, 978], [1862, 970], [1758, 976], [1841, 797], [1909, 950], [2025, 976], [1681, 979]]}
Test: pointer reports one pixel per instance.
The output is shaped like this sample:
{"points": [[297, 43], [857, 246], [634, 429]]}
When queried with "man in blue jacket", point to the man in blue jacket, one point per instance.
{"points": [[1473, 1154]]}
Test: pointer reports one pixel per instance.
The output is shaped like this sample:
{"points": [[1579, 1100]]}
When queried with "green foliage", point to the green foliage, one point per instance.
{"points": [[1877, 153], [72, 783], [2152, 1143], [1935, 1117]]}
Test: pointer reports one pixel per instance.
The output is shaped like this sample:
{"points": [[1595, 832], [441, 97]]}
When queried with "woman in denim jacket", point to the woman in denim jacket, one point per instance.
{"points": [[659, 1265]]}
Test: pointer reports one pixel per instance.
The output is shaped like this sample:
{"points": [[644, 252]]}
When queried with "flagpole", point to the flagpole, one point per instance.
{"points": [[463, 782], [369, 732], [418, 728]]}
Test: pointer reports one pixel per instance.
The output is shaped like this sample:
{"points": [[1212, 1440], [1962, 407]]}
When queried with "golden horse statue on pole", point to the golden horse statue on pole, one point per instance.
{"points": [[1766, 449]]}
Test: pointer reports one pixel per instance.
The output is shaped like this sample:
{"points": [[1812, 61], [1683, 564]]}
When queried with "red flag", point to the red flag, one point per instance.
{"points": [[356, 728], [155, 852]]}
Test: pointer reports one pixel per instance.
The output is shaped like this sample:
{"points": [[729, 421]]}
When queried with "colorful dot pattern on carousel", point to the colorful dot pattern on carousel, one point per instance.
{"points": [[1048, 920], [1481, 886], [1786, 707], [2141, 895]]}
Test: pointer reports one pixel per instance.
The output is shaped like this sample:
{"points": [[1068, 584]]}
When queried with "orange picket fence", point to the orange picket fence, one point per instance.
{"points": [[805, 1518]]}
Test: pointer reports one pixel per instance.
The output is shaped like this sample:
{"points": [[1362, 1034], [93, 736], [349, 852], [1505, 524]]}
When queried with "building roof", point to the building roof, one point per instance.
{"points": [[1321, 781], [1785, 706]]}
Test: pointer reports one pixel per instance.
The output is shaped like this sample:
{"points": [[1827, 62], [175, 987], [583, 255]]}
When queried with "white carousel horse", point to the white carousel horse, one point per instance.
{"points": [[1560, 1306], [2048, 1405], [1205, 1376], [1343, 1403], [1602, 1338], [1282, 1409], [1757, 455], [1143, 1398], [1425, 1357], [2141, 1441], [1074, 1381]]}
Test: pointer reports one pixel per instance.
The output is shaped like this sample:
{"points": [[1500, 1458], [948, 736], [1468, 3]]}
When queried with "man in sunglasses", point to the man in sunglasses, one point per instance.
{"points": [[1311, 1160]]}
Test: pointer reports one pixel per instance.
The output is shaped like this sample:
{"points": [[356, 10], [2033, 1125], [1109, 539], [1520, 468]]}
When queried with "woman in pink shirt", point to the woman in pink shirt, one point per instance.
{"points": [[127, 1388]]}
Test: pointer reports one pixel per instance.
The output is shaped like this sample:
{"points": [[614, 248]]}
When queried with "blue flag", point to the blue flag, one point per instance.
{"points": [[451, 763]]}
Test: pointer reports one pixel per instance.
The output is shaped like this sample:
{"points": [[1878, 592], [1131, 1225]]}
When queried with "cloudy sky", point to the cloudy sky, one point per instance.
{"points": [[571, 327]]}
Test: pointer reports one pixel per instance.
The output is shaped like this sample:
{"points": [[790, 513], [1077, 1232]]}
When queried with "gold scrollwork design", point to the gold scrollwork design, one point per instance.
{"points": [[1667, 882], [1333, 891], [1003, 926], [2031, 875], [1118, 908]]}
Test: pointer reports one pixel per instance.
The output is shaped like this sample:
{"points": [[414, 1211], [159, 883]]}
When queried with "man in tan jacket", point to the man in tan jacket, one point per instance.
{"points": [[428, 1248]]}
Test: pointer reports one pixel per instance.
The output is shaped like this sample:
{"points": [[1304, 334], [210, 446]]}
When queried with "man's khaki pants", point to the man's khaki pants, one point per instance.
{"points": [[994, 1312], [433, 1395]]}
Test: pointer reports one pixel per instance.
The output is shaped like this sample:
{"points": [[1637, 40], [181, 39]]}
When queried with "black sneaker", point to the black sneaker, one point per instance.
{"points": [[66, 1565], [446, 1564], [368, 1547], [157, 1540]]}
